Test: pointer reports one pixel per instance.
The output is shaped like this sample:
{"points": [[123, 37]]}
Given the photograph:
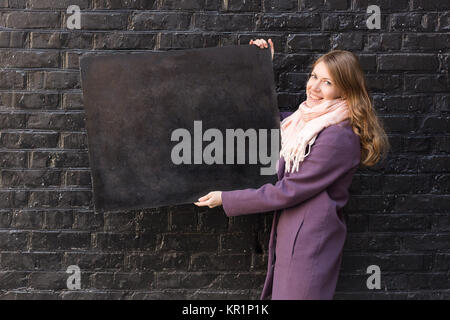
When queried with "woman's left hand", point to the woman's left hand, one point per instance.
{"points": [[212, 199]]}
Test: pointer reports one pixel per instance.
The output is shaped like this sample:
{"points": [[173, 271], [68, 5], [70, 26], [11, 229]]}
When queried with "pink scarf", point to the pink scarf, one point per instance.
{"points": [[302, 127]]}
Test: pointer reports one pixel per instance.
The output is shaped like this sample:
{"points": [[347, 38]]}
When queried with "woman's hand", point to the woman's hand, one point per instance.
{"points": [[263, 44], [212, 199]]}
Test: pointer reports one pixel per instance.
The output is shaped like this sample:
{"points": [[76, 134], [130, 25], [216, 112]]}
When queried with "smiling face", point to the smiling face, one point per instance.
{"points": [[320, 86]]}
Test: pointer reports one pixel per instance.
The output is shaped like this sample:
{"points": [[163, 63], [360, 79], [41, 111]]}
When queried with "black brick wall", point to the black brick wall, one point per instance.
{"points": [[398, 215]]}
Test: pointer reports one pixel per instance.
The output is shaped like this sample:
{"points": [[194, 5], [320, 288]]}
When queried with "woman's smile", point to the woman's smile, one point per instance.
{"points": [[314, 97]]}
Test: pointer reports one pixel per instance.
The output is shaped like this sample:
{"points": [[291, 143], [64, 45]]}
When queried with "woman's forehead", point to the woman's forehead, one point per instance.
{"points": [[321, 71]]}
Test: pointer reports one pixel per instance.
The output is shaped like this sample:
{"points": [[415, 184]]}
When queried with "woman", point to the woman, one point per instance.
{"points": [[322, 145]]}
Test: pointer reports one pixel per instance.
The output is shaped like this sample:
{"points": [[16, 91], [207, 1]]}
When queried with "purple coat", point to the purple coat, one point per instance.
{"points": [[308, 228]]}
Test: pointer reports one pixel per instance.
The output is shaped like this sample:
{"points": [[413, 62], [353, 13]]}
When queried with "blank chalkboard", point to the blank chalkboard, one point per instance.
{"points": [[135, 101]]}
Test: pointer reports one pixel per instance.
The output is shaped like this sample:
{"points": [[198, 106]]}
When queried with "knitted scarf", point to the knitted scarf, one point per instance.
{"points": [[302, 127]]}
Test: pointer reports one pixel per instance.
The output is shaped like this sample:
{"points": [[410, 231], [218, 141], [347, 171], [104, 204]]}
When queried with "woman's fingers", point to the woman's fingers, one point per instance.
{"points": [[202, 204], [205, 197], [259, 42]]}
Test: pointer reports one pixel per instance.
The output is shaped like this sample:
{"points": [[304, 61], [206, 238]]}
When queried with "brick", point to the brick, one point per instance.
{"points": [[126, 221], [58, 219], [49, 280], [430, 5], [73, 140], [213, 221], [40, 159], [5, 218], [244, 6], [437, 125], [13, 279], [60, 240], [121, 280], [297, 22], [29, 261], [387, 262], [157, 262], [434, 163], [28, 59], [413, 22], [293, 81], [243, 280], [347, 41], [311, 5], [24, 100], [299, 43], [13, 39], [59, 40], [54, 80], [72, 101], [30, 178], [400, 124], [125, 4], [186, 242], [77, 178], [12, 80], [383, 42], [223, 22], [444, 21], [426, 42], [26, 140], [11, 240], [160, 21], [57, 4], [338, 21], [403, 222], [101, 21], [398, 5], [183, 221], [13, 159], [59, 199], [12, 120], [407, 62], [57, 121], [30, 20], [425, 242], [237, 243], [404, 104], [88, 220], [187, 40], [124, 41], [104, 241], [186, 280], [228, 262], [92, 261], [426, 83]]}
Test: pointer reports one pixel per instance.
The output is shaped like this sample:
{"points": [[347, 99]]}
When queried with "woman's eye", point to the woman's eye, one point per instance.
{"points": [[329, 83]]}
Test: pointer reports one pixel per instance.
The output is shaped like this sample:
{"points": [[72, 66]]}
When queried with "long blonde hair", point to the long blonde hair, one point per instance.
{"points": [[348, 75]]}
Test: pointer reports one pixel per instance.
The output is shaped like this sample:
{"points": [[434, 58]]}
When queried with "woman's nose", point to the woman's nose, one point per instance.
{"points": [[316, 86]]}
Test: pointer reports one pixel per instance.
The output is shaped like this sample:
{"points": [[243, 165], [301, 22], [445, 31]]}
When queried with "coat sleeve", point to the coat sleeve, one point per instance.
{"points": [[285, 114], [331, 156]]}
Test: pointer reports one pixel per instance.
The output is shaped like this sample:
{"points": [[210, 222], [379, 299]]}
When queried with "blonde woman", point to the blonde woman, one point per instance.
{"points": [[323, 143]]}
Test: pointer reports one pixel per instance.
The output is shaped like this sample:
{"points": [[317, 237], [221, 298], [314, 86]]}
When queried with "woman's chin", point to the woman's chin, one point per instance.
{"points": [[312, 102]]}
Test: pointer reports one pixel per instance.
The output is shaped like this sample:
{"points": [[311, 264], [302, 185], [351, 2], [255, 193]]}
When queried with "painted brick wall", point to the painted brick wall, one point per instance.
{"points": [[398, 216]]}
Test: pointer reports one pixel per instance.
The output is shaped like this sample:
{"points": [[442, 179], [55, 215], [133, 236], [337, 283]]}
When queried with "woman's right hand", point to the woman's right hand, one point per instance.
{"points": [[263, 44]]}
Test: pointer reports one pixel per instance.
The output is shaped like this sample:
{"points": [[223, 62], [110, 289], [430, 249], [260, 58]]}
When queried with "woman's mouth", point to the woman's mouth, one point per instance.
{"points": [[314, 98]]}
